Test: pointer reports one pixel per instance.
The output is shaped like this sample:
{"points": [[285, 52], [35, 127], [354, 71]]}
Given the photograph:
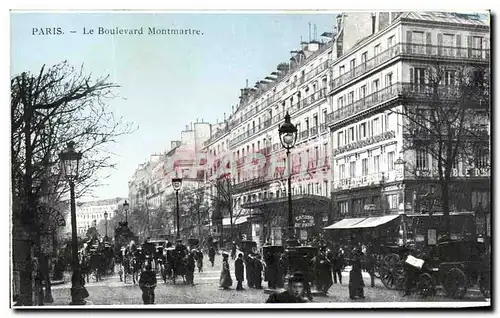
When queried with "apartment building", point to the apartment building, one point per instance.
{"points": [[92, 212], [373, 172]]}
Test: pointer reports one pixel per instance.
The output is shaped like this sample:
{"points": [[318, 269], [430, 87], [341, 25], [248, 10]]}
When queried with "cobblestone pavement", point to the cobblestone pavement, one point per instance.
{"points": [[110, 291]]}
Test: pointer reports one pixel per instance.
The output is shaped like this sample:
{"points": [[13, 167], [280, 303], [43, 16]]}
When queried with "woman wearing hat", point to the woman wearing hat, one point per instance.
{"points": [[225, 275]]}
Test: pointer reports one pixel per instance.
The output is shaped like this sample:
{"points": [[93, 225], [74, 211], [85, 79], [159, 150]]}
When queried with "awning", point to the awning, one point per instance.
{"points": [[236, 220], [360, 223], [374, 221], [344, 224]]}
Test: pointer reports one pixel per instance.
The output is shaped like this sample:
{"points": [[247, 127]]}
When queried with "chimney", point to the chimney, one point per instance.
{"points": [[225, 115], [233, 109], [191, 124]]}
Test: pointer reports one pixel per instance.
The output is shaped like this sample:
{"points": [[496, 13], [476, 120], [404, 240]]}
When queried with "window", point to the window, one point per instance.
{"points": [[448, 42], [417, 40], [344, 208], [352, 169], [341, 70], [477, 46], [340, 139], [392, 201], [362, 129], [390, 42], [315, 120], [353, 65], [364, 166], [342, 171], [376, 163], [376, 50], [350, 98], [418, 77], [351, 134], [307, 123], [421, 161], [362, 92], [375, 86], [324, 115], [364, 57], [481, 156], [390, 160], [388, 80], [375, 127], [340, 102]]}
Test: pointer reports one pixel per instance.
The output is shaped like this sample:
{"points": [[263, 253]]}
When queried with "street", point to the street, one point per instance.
{"points": [[110, 291]]}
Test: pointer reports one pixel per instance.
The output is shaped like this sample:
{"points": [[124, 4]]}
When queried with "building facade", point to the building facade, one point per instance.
{"points": [[92, 212], [373, 84]]}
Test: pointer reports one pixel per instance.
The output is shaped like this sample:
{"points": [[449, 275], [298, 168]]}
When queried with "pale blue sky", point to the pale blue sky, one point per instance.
{"points": [[166, 81]]}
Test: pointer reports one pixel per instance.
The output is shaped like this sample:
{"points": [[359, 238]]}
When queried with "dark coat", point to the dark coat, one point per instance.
{"points": [[284, 297], [239, 269]]}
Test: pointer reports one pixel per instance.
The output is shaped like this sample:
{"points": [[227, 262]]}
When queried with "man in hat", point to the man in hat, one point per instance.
{"points": [[258, 268], [147, 283], [211, 254], [294, 293], [238, 271]]}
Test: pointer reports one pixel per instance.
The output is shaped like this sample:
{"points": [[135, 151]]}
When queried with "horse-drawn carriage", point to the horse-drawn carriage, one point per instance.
{"points": [[457, 265]]}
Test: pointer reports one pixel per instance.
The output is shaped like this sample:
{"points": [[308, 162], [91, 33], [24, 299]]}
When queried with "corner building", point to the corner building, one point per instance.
{"points": [[370, 83]]}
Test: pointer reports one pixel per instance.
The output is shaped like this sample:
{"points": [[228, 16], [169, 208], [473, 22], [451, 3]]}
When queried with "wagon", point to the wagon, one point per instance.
{"points": [[459, 265]]}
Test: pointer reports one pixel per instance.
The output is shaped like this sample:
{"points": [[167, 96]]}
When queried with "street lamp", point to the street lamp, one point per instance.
{"points": [[288, 137], [70, 161], [176, 184], [125, 207], [106, 225]]}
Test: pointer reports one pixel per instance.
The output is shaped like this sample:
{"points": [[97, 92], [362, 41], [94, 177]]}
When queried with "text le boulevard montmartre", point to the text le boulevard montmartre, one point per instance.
{"points": [[139, 31]]}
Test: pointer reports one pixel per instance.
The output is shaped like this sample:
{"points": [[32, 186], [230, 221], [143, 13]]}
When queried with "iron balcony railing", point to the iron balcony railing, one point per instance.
{"points": [[320, 95], [411, 49], [313, 131]]}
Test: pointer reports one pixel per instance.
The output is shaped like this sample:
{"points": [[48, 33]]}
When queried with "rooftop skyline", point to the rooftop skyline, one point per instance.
{"points": [[166, 81]]}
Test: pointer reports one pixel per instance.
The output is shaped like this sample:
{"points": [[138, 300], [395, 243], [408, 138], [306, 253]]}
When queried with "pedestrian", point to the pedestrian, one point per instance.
{"points": [[250, 271], [239, 269], [233, 251], [225, 275], [294, 293], [258, 272], [338, 266], [306, 282], [356, 278], [199, 260], [190, 266], [211, 254], [147, 283], [324, 274]]}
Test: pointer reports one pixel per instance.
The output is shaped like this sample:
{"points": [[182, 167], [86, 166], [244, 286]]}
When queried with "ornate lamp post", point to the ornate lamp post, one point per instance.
{"points": [[288, 138], [176, 184], [70, 161], [125, 207], [106, 225]]}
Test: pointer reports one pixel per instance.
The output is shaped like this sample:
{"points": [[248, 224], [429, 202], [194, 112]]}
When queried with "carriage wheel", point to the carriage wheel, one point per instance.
{"points": [[391, 272], [484, 285], [426, 285], [455, 283]]}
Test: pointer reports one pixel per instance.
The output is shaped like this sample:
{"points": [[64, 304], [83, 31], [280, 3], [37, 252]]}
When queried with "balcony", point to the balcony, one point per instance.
{"points": [[216, 135], [369, 101], [413, 50], [365, 67], [452, 52], [304, 134]]}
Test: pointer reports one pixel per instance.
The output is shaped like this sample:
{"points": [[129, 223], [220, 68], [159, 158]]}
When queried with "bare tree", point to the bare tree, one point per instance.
{"points": [[49, 109], [446, 117]]}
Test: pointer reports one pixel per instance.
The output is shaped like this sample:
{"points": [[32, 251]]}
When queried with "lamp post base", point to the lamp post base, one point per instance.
{"points": [[78, 294]]}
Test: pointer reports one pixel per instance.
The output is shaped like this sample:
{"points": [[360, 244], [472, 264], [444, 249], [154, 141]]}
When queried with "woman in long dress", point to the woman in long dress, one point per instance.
{"points": [[225, 275]]}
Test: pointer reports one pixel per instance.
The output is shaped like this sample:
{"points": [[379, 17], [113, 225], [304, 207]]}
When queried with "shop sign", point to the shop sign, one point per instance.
{"points": [[303, 221]]}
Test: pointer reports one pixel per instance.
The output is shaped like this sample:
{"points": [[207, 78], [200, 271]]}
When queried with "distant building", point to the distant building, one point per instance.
{"points": [[90, 211]]}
